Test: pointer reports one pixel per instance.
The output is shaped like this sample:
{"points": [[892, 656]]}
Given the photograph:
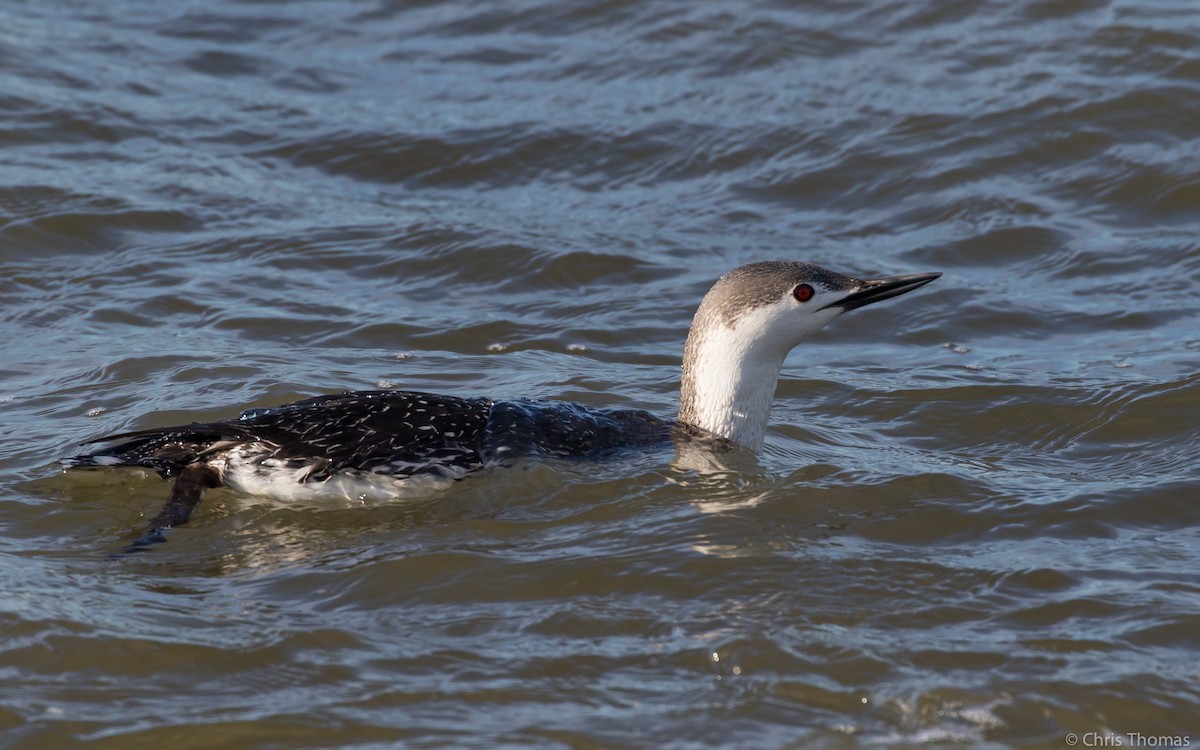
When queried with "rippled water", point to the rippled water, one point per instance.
{"points": [[976, 517]]}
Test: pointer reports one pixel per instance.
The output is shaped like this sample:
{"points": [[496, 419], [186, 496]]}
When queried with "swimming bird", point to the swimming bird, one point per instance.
{"points": [[391, 443]]}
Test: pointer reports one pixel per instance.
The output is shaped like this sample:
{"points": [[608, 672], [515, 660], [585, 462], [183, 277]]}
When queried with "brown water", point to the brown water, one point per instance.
{"points": [[976, 519]]}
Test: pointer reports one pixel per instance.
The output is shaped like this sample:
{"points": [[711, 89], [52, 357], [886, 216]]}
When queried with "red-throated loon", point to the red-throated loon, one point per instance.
{"points": [[391, 444]]}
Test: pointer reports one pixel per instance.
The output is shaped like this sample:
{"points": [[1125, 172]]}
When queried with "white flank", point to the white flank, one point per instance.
{"points": [[244, 470]]}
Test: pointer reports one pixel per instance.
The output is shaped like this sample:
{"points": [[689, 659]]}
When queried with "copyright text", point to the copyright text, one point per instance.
{"points": [[1127, 739]]}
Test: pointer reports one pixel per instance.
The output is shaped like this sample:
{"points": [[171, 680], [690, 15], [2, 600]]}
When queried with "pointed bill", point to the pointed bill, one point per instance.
{"points": [[877, 290]]}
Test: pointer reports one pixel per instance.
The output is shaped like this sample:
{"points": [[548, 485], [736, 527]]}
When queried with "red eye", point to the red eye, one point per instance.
{"points": [[803, 293]]}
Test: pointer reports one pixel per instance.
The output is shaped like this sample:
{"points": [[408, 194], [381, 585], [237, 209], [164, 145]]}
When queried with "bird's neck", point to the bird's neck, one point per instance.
{"points": [[728, 383]]}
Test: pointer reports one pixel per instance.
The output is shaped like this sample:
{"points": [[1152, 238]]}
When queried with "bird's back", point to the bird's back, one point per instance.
{"points": [[384, 436]]}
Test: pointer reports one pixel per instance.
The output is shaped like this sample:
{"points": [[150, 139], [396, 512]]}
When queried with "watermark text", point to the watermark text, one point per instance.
{"points": [[1126, 739]]}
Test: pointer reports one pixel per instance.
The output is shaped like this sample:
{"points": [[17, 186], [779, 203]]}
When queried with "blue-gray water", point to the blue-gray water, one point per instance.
{"points": [[975, 521]]}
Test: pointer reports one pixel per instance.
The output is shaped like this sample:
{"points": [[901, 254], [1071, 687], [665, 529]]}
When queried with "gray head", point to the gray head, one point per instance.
{"points": [[745, 326]]}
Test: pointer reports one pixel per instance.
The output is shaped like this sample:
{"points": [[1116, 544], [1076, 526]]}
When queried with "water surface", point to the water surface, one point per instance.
{"points": [[975, 520]]}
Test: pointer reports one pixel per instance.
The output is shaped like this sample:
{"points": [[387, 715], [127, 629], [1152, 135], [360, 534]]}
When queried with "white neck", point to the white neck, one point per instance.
{"points": [[729, 379]]}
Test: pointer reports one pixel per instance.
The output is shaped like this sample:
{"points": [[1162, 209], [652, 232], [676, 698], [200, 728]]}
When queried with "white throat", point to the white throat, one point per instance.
{"points": [[730, 372]]}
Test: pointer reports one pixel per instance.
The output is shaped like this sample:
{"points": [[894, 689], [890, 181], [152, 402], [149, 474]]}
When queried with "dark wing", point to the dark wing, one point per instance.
{"points": [[390, 431], [397, 432]]}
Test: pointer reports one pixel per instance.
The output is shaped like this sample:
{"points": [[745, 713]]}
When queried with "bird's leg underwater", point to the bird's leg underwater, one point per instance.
{"points": [[186, 494]]}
